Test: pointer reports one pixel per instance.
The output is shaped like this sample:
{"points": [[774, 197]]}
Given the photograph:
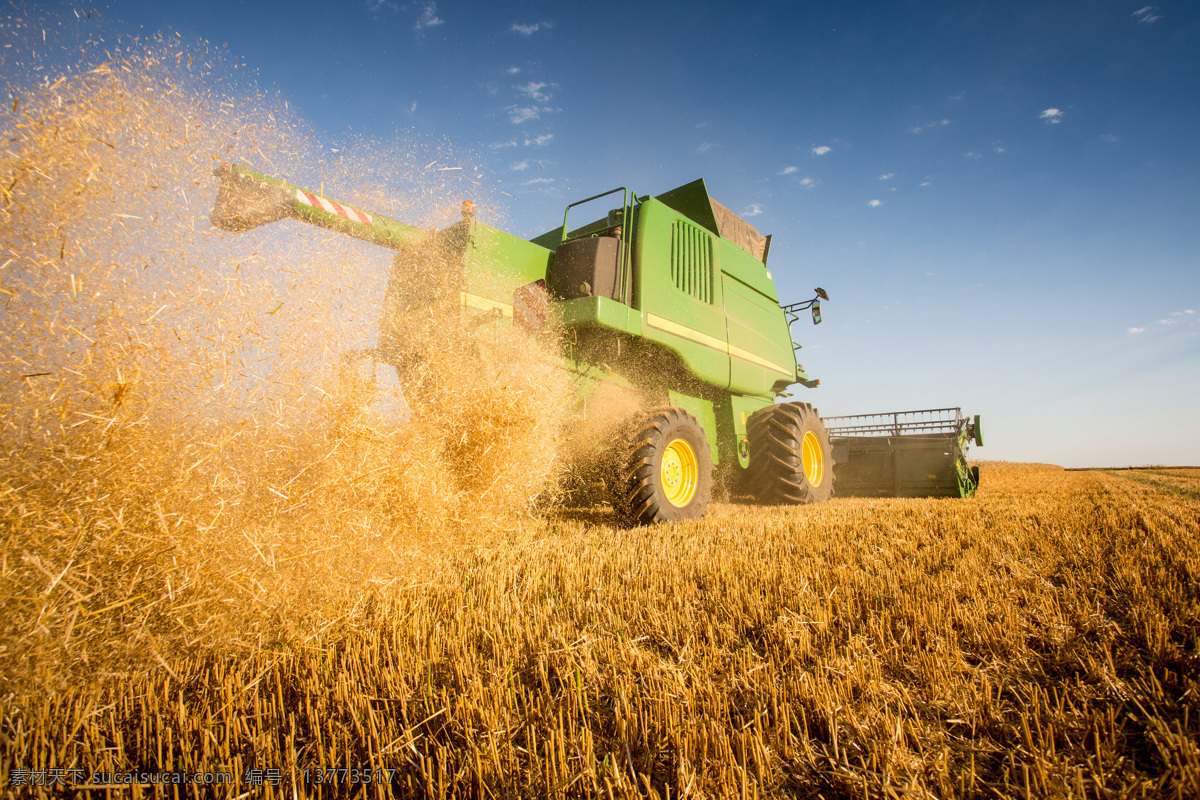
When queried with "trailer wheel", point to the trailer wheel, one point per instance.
{"points": [[791, 460], [664, 473]]}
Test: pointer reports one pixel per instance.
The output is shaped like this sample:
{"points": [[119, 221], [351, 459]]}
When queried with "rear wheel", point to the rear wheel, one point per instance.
{"points": [[664, 473], [791, 460]]}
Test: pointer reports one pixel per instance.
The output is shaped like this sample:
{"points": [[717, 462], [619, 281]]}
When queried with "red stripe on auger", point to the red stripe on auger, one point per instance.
{"points": [[325, 204]]}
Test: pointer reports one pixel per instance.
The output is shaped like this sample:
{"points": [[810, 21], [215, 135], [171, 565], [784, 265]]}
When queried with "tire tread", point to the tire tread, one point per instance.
{"points": [[634, 493], [776, 475]]}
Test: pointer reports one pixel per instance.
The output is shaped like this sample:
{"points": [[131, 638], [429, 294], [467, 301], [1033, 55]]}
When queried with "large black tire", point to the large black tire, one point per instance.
{"points": [[791, 460], [664, 471]]}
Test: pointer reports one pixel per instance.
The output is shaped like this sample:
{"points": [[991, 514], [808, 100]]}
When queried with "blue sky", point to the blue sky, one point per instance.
{"points": [[1001, 198]]}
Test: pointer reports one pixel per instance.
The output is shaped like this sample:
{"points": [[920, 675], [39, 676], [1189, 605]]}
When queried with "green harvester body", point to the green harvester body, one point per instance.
{"points": [[669, 296]]}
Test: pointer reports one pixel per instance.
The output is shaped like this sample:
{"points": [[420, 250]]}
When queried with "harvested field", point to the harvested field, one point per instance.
{"points": [[215, 559], [1038, 640]]}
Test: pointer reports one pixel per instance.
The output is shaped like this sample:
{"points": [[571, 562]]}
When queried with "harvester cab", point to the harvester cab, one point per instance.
{"points": [[667, 296]]}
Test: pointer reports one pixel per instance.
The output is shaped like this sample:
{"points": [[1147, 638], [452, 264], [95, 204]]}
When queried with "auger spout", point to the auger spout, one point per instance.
{"points": [[247, 199]]}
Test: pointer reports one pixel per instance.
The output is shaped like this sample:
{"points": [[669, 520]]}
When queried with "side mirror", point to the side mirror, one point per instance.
{"points": [[816, 312]]}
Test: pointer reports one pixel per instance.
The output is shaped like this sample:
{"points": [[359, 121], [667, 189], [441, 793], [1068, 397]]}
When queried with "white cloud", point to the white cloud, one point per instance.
{"points": [[875, 203], [956, 98], [519, 114], [517, 166], [821, 150], [537, 181], [533, 90], [1146, 15], [1052, 116], [413, 108], [1109, 137], [503, 145], [513, 70], [887, 176], [807, 182], [789, 170], [926, 183], [540, 141], [973, 154], [428, 18], [1174, 318], [938, 123], [704, 148], [999, 149], [530, 30], [753, 210]]}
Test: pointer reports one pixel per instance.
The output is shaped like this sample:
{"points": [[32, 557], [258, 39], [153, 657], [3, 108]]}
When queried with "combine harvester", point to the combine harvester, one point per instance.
{"points": [[667, 296]]}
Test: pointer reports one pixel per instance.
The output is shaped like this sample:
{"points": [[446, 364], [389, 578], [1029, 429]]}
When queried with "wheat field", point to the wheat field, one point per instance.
{"points": [[215, 560], [1038, 640]]}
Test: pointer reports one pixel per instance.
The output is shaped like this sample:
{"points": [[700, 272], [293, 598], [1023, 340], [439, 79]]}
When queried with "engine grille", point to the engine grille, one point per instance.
{"points": [[691, 260]]}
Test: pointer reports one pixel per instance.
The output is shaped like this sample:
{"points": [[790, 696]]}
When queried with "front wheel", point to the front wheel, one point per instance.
{"points": [[665, 470], [791, 461]]}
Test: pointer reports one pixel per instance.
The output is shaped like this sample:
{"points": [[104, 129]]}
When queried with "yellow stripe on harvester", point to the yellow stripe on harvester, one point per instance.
{"points": [[485, 304], [698, 337]]}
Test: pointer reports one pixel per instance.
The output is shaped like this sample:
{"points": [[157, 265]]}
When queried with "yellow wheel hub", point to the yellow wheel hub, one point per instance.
{"points": [[814, 459], [680, 472]]}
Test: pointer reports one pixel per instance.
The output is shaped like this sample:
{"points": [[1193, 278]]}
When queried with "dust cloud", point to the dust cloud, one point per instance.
{"points": [[190, 460]]}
